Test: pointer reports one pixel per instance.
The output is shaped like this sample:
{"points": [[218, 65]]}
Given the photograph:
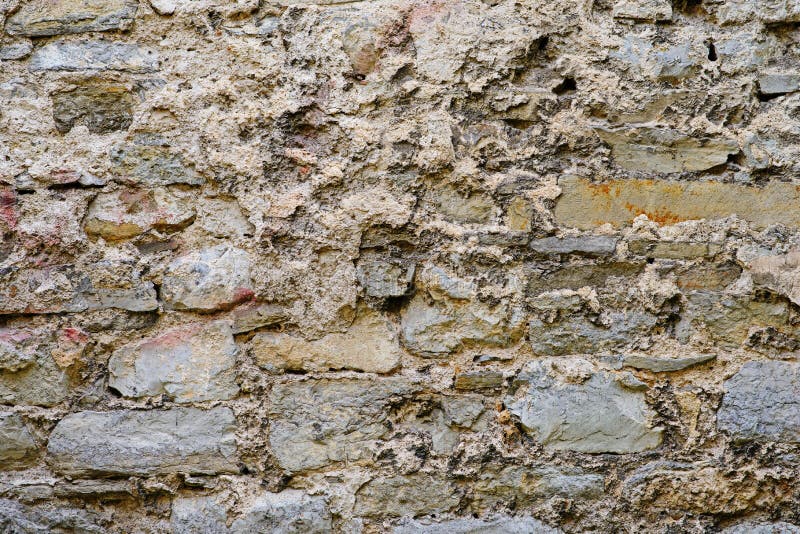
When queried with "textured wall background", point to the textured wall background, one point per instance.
{"points": [[451, 266]]}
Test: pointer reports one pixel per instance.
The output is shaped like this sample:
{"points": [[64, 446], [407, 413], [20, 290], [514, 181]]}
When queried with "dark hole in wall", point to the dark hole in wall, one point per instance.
{"points": [[565, 86]]}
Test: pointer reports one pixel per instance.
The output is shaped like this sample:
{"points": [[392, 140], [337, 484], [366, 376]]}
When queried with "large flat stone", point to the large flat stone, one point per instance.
{"points": [[189, 364], [126, 442], [411, 495], [762, 402], [319, 422], [41, 18], [370, 344], [578, 335], [17, 518], [586, 205], [90, 56], [596, 415], [102, 107], [287, 512], [490, 525]]}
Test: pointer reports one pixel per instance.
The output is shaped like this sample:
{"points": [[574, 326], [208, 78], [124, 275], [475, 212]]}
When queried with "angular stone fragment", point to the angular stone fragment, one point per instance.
{"points": [[664, 365], [370, 345], [778, 84], [490, 525], [410, 495], [586, 205], [319, 422], [127, 442], [577, 276], [290, 511], [118, 284], [576, 335], [675, 250], [662, 150], [450, 315], [40, 381], [654, 10], [13, 359], [588, 245], [150, 162], [210, 279], [526, 486], [770, 12], [52, 289], [41, 18], [475, 380], [189, 364], [17, 445], [102, 107], [94, 56], [762, 402], [16, 518], [127, 213], [595, 416], [17, 49], [381, 278], [780, 273]]}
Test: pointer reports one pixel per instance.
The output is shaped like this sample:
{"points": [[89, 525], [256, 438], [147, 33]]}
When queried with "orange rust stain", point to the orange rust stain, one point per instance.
{"points": [[662, 216]]}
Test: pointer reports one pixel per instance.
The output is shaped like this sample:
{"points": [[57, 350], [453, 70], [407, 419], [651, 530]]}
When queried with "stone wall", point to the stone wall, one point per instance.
{"points": [[406, 266]]}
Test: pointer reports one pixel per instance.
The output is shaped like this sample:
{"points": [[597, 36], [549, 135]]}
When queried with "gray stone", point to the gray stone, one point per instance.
{"points": [[102, 107], [664, 365], [762, 527], [410, 495], [150, 162], [662, 150], [318, 422], [526, 486], [588, 245], [676, 250], [198, 515], [17, 445], [383, 278], [578, 276], [94, 56], [778, 84], [770, 12], [595, 416], [17, 49], [16, 518], [654, 10], [256, 315], [370, 344], [118, 284], [578, 335], [188, 364], [209, 279], [51, 289], [90, 488], [41, 18], [126, 442], [780, 273], [41, 382], [762, 402], [287, 512], [489, 525]]}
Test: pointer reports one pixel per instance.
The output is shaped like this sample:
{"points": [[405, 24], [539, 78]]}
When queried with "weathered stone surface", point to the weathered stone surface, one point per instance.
{"points": [[18, 518], [490, 525], [596, 415], [664, 365], [17, 445], [475, 380], [762, 402], [778, 84], [319, 422], [676, 250], [762, 527], [17, 49], [643, 9], [577, 334], [738, 11], [149, 161], [588, 245], [256, 315], [129, 212], [40, 18], [125, 442], [780, 273], [381, 278], [189, 364], [92, 56], [527, 486], [578, 276], [102, 107], [13, 359], [586, 205], [370, 345], [192, 515], [450, 315], [661, 150], [411, 495], [287, 512], [666, 485], [209, 279]]}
